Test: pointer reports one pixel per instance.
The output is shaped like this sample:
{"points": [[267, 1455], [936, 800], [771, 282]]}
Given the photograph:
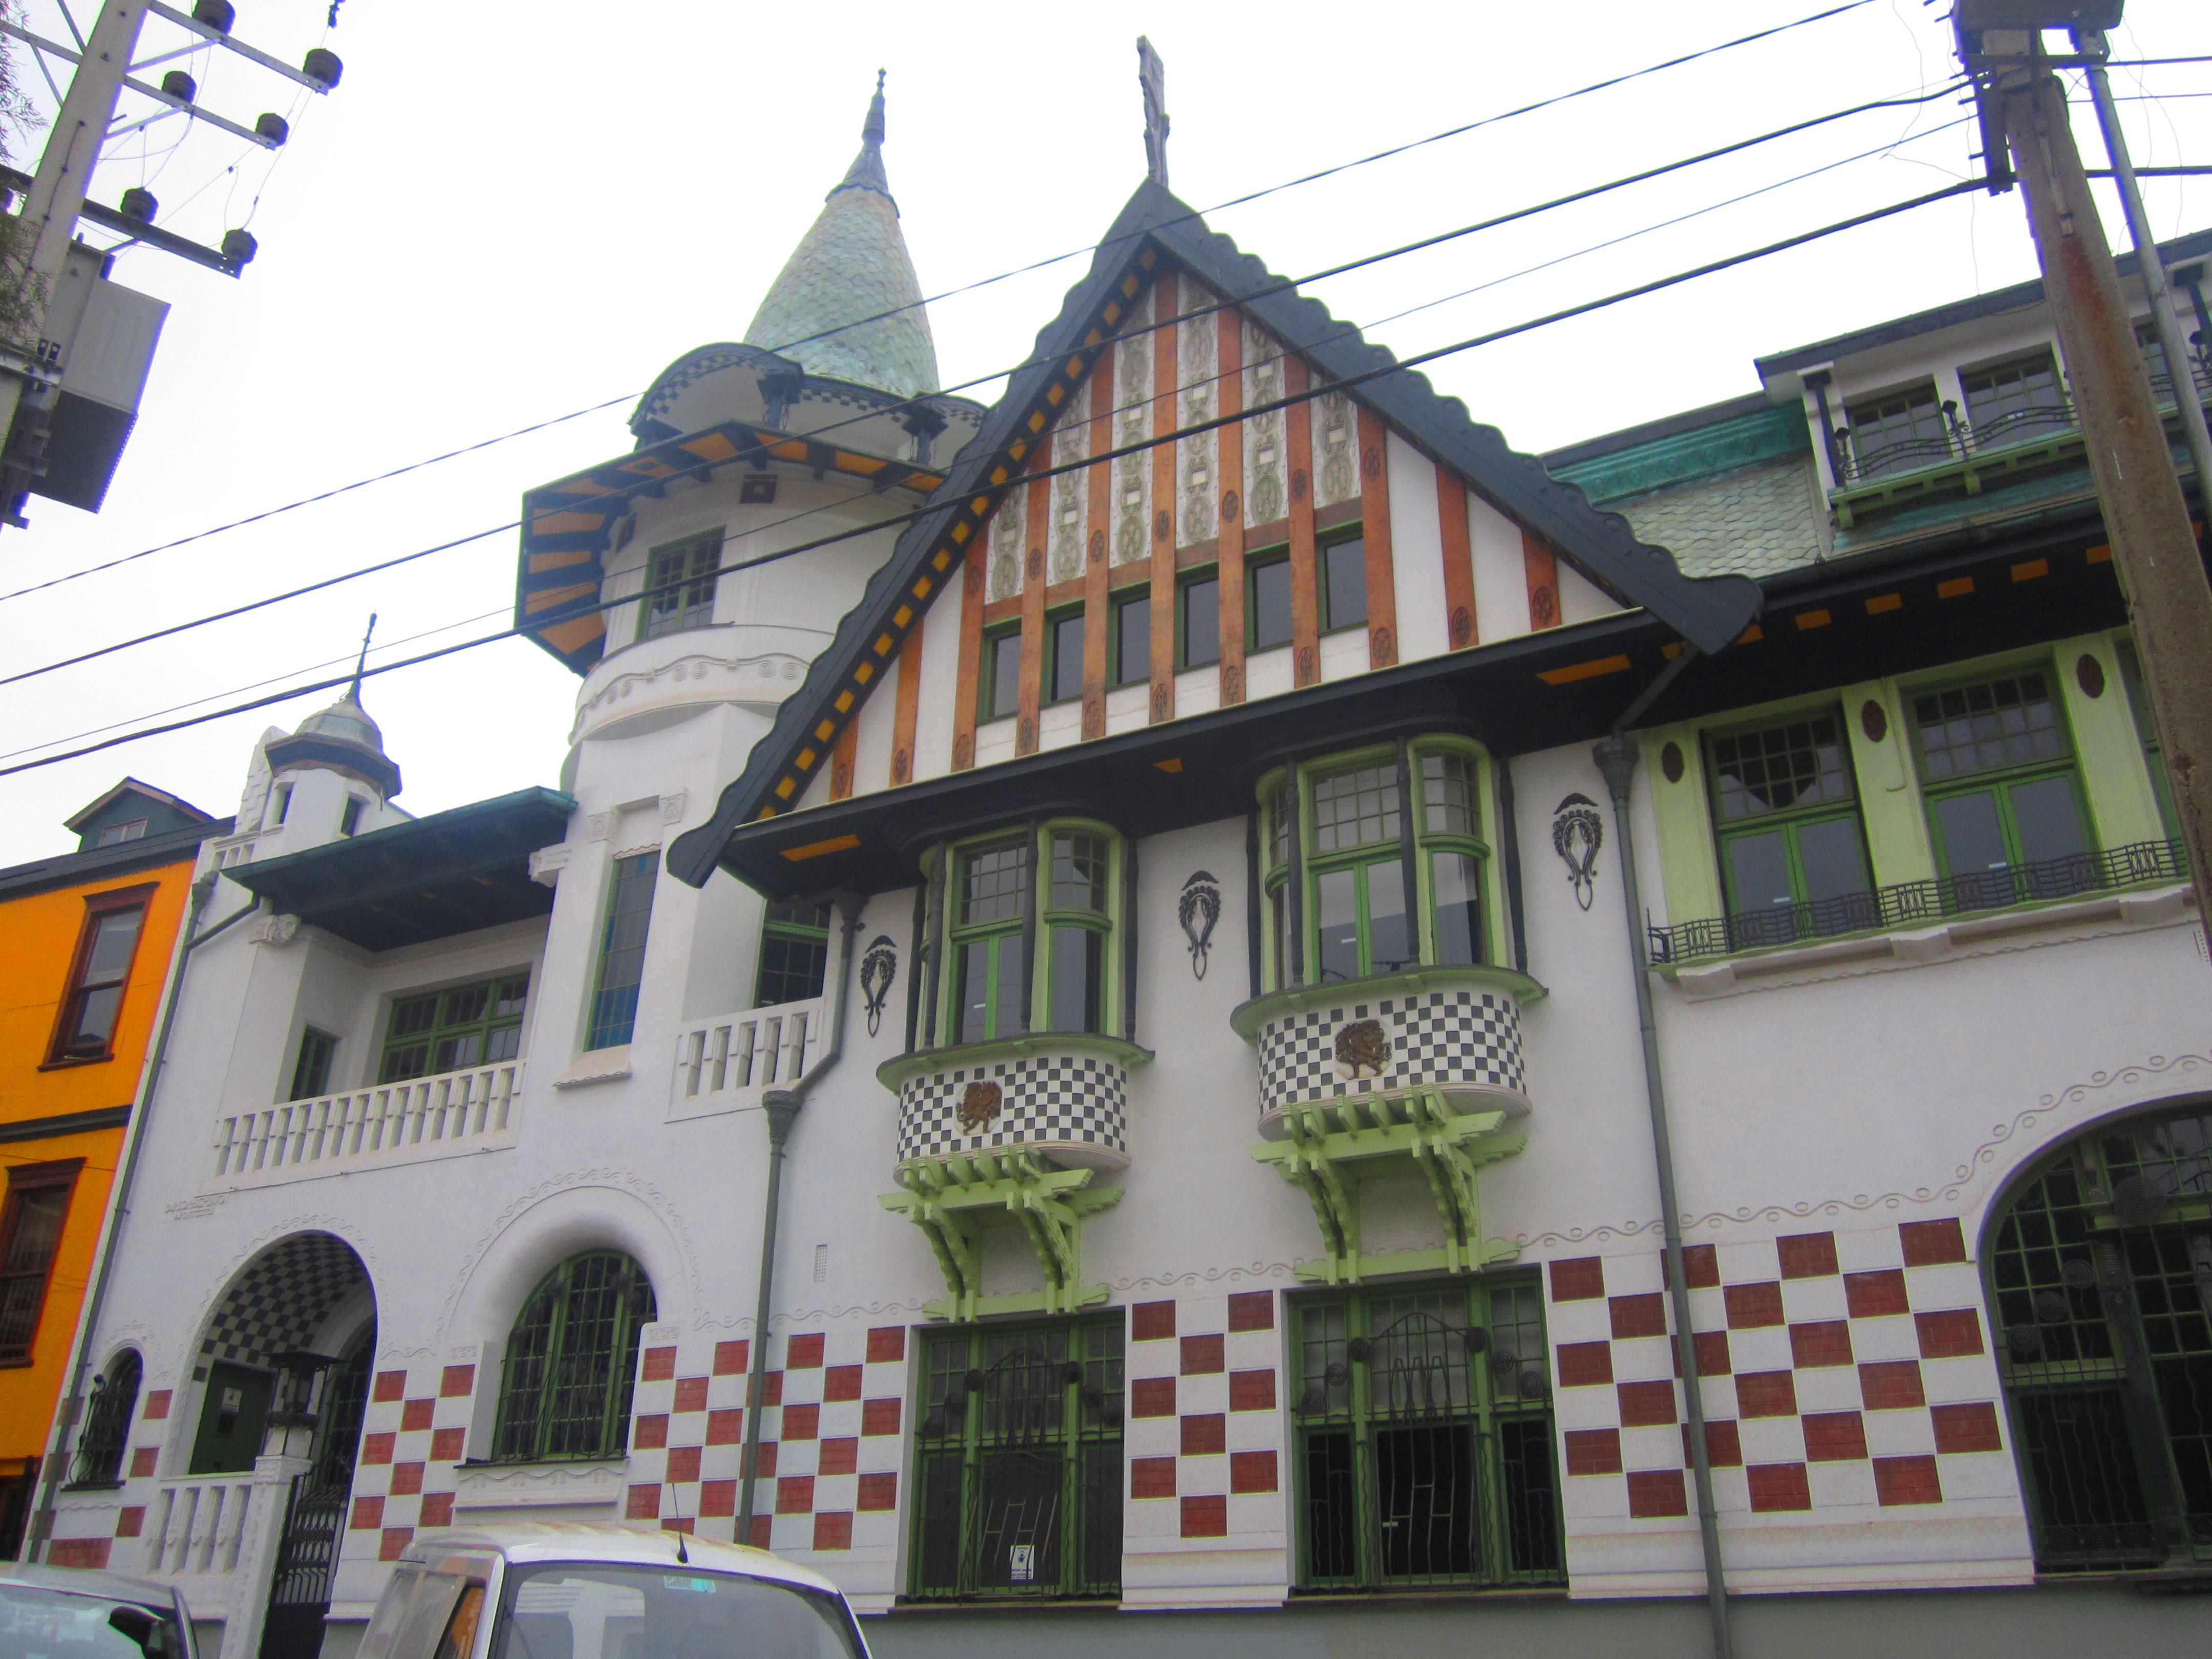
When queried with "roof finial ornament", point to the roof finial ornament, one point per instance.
{"points": [[1152, 76], [360, 663], [867, 172]]}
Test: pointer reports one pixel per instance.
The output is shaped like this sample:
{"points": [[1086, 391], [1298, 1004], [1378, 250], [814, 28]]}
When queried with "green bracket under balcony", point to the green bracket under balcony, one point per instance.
{"points": [[1364, 1077], [954, 1198], [1326, 1164], [1014, 1130]]}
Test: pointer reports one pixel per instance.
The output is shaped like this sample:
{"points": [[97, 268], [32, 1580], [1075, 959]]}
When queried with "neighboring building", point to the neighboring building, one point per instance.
{"points": [[89, 936], [1173, 909]]}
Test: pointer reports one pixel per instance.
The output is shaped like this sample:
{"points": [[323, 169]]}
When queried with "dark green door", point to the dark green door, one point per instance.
{"points": [[232, 1416]]}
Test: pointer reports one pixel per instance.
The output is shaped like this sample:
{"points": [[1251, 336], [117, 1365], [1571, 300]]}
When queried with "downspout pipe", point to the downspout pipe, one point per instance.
{"points": [[782, 1108], [36, 1540], [1616, 757]]}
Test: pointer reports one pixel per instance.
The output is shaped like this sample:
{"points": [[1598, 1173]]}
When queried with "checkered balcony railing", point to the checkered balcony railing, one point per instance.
{"points": [[1919, 903], [1066, 1096]]}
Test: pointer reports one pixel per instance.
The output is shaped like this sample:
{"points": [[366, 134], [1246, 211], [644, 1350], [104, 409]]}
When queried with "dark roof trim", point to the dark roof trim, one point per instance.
{"points": [[2021, 296], [269, 873], [66, 1123], [85, 815], [1709, 611], [101, 863]]}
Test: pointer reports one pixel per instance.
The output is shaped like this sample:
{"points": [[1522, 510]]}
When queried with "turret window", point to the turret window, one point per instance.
{"points": [[679, 586], [622, 952], [794, 952]]}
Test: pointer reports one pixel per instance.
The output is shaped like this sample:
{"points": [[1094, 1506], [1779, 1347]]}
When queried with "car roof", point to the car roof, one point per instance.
{"points": [[580, 1540], [90, 1580]]}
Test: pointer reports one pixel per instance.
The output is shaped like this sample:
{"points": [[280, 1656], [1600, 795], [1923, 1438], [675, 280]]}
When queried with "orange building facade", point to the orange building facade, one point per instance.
{"points": [[87, 939]]}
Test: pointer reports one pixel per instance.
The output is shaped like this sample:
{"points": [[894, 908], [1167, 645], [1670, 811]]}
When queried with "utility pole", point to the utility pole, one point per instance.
{"points": [[2153, 545], [50, 216]]}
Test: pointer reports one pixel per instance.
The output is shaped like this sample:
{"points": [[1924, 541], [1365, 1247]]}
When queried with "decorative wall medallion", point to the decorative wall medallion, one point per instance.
{"points": [[1462, 627], [1229, 507], [671, 806], [1578, 832], [2091, 674], [1873, 722], [963, 751], [1339, 479], [1363, 1048], [1381, 646], [1162, 526], [1299, 484], [978, 1106], [276, 930], [600, 825], [1370, 463], [1069, 446], [878, 967], [1670, 763], [1097, 546], [1198, 910]]}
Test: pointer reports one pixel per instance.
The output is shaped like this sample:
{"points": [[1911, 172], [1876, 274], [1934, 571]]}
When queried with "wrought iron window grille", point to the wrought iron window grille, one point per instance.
{"points": [[1911, 904]]}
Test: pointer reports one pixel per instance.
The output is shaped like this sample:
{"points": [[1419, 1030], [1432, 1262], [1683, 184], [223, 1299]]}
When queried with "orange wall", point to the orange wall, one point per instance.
{"points": [[38, 941]]}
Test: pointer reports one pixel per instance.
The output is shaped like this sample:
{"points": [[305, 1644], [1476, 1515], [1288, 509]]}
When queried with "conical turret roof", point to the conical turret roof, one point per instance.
{"points": [[852, 265]]}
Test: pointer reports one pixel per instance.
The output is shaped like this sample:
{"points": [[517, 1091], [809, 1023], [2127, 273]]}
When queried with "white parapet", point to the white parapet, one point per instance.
{"points": [[425, 1117]]}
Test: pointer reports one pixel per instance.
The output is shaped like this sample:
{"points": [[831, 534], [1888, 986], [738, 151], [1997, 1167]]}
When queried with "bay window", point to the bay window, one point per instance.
{"points": [[2003, 800], [1028, 922], [1357, 884]]}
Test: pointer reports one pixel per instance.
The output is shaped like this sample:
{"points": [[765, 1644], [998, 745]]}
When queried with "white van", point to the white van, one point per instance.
{"points": [[573, 1591]]}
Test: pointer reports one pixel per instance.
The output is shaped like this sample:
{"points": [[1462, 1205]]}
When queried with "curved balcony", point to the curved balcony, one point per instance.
{"points": [[1357, 1052], [661, 680], [1061, 1096]]}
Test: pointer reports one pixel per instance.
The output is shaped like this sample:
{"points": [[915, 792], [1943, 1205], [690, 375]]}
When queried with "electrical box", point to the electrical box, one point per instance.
{"points": [[102, 336]]}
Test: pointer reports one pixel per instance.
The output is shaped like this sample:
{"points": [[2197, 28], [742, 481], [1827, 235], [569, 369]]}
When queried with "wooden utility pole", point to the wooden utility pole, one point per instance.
{"points": [[50, 209], [2146, 520]]}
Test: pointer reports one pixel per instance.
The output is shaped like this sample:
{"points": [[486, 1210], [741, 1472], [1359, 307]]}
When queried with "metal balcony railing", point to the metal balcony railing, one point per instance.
{"points": [[1918, 903]]}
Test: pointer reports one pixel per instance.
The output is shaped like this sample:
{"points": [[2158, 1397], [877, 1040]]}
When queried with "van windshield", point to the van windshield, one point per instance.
{"points": [[579, 1610]]}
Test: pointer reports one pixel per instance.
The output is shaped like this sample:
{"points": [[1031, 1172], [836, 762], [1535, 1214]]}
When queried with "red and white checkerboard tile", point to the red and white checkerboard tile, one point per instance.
{"points": [[413, 1430], [1208, 1512], [1846, 1375], [828, 1478]]}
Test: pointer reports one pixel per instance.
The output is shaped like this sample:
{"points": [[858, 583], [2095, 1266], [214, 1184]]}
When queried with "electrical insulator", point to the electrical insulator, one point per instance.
{"points": [[180, 85], [140, 205], [239, 246], [275, 127], [322, 68], [217, 14]]}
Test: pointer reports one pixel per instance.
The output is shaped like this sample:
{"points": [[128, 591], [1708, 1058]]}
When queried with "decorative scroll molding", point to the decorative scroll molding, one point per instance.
{"points": [[547, 863]]}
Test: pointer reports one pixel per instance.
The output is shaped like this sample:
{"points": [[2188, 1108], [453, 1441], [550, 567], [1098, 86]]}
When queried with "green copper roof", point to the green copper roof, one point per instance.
{"points": [[852, 264]]}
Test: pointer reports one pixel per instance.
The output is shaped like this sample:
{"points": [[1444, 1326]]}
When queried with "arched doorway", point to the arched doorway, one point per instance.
{"points": [[289, 1348], [2100, 1264]]}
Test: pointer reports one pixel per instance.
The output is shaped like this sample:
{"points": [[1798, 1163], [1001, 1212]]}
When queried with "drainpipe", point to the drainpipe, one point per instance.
{"points": [[782, 1107], [1616, 757], [36, 1540]]}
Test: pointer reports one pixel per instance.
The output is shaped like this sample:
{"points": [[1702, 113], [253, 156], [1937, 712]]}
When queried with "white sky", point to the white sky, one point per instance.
{"points": [[506, 214]]}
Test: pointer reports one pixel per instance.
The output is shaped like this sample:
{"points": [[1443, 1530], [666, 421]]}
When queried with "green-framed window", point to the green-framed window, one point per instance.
{"points": [[572, 1361], [310, 1067], [621, 952], [1018, 1454], [448, 1030], [1133, 638], [1376, 891], [1001, 688], [1198, 620], [2010, 402], [1343, 576], [679, 585], [2004, 800], [2100, 1278], [2131, 676], [1268, 600], [1063, 667], [1793, 856], [1896, 432], [1423, 1438], [794, 952], [990, 957], [1020, 956]]}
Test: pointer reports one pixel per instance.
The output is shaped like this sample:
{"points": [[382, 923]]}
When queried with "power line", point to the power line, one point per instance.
{"points": [[1397, 365], [967, 287], [1279, 285]]}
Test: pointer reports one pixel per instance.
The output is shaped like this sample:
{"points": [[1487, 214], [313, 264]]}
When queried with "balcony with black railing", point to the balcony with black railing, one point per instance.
{"points": [[1910, 453], [1915, 904]]}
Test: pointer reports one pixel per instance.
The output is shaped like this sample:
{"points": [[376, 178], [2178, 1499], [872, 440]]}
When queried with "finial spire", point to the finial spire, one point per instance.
{"points": [[1152, 76], [867, 172], [360, 663]]}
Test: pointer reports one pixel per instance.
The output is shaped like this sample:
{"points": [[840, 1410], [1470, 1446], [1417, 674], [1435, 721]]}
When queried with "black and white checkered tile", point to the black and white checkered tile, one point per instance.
{"points": [[1437, 1038], [277, 1305], [1043, 1099]]}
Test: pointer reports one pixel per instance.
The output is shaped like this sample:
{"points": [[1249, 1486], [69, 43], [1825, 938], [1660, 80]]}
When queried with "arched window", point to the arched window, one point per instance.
{"points": [[2100, 1274], [107, 1434], [571, 1360]]}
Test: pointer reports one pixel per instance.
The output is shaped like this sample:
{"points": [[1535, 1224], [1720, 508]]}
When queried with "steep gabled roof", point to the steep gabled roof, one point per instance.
{"points": [[1710, 613]]}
